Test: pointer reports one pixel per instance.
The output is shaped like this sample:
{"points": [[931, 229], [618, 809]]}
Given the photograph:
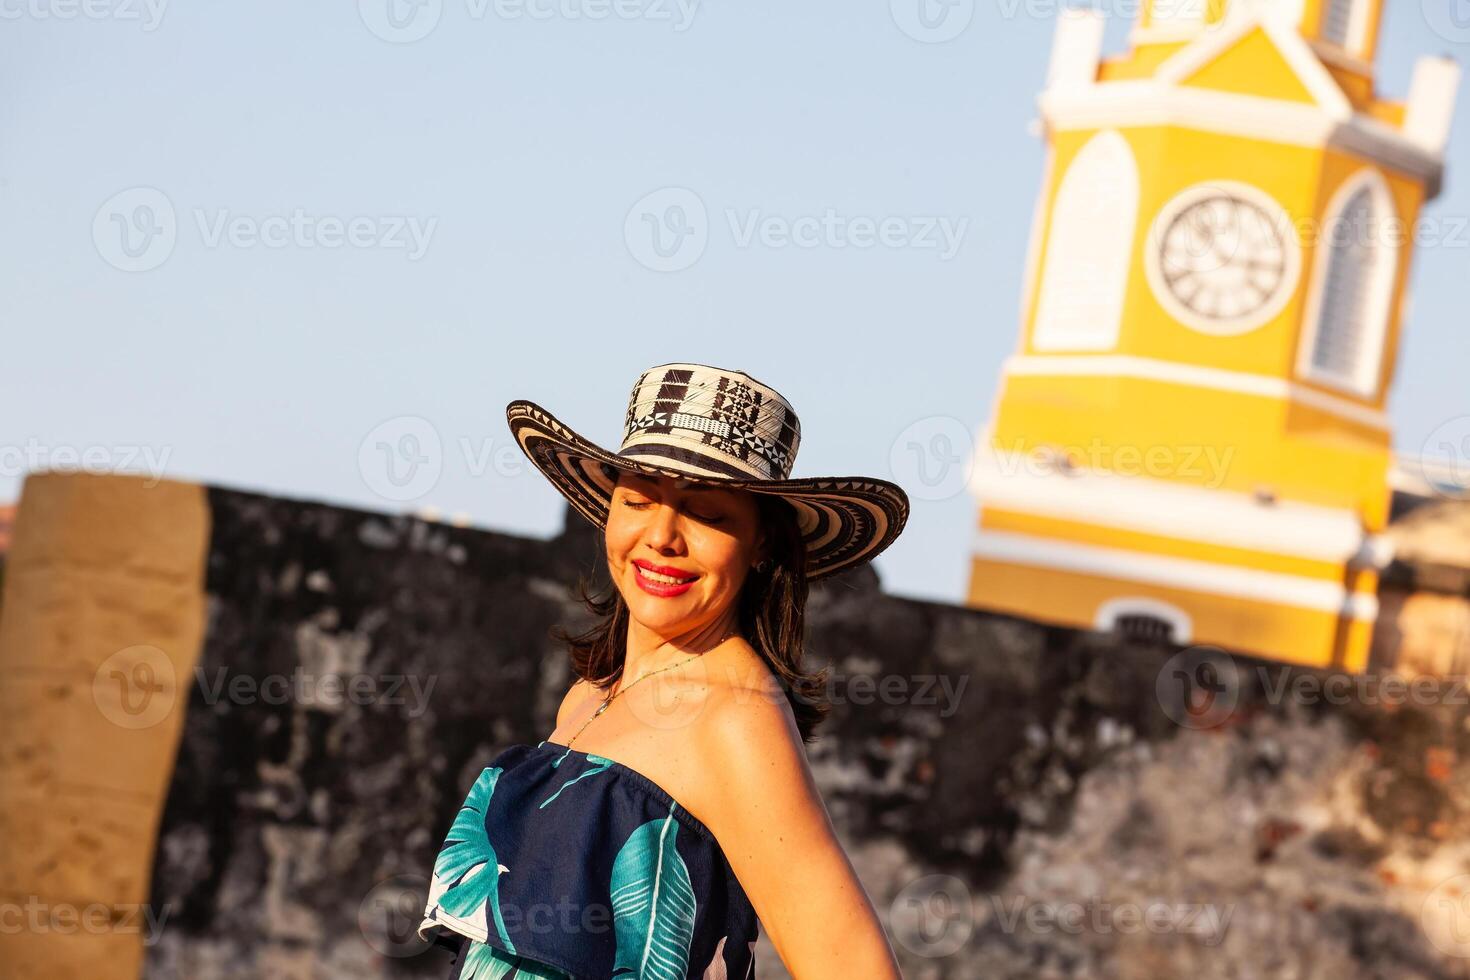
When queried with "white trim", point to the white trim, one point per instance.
{"points": [[1076, 48], [1216, 41], [1180, 623], [1008, 480], [1430, 108], [1280, 223], [1134, 103], [1195, 375], [1384, 272], [1273, 588]]}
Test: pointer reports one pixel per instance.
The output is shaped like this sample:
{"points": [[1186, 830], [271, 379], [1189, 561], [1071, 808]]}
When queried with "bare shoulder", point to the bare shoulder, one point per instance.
{"points": [[752, 749]]}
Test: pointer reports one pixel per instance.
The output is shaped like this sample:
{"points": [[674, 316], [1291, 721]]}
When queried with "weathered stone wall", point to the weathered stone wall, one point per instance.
{"points": [[997, 780], [1045, 776]]}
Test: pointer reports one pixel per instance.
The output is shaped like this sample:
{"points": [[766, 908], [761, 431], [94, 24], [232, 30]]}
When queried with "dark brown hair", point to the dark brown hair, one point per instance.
{"points": [[771, 617]]}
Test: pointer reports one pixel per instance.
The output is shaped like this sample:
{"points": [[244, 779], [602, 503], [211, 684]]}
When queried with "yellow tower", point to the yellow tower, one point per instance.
{"points": [[1190, 440]]}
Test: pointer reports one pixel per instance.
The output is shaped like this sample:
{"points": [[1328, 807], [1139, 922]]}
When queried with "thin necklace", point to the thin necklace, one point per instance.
{"points": [[609, 699]]}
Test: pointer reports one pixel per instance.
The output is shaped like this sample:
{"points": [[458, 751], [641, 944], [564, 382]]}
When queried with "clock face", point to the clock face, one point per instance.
{"points": [[1221, 258]]}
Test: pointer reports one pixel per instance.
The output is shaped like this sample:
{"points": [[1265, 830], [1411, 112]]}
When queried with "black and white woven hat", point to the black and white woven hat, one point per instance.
{"points": [[716, 426]]}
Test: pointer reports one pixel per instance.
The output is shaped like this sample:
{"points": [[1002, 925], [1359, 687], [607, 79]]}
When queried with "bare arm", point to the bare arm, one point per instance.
{"points": [[775, 830]]}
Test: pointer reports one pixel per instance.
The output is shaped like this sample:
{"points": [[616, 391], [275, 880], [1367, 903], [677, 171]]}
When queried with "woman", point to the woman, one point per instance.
{"points": [[672, 811]]}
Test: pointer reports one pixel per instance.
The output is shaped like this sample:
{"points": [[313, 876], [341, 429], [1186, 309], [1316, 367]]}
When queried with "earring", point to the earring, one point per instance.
{"points": [[762, 565]]}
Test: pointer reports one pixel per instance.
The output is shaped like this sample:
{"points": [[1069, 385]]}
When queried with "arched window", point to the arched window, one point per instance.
{"points": [[1089, 249], [1356, 264], [1341, 23]]}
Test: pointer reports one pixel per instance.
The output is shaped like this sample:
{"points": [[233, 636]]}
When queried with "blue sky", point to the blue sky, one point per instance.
{"points": [[380, 238]]}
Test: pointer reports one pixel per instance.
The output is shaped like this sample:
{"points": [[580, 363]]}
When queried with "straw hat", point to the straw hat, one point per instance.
{"points": [[716, 426]]}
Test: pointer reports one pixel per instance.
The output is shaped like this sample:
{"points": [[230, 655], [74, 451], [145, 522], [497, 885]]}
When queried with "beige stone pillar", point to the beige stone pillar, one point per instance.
{"points": [[101, 624]]}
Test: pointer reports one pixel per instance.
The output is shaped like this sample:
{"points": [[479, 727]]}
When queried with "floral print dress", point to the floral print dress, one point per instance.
{"points": [[564, 865]]}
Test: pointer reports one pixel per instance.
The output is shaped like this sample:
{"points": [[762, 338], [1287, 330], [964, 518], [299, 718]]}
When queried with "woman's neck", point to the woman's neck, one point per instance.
{"points": [[649, 651]]}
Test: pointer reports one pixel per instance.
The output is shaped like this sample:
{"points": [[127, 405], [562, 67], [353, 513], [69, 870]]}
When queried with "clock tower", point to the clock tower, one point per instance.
{"points": [[1190, 440]]}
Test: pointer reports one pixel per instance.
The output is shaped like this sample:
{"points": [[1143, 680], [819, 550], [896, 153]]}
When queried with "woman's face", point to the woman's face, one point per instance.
{"points": [[706, 537]]}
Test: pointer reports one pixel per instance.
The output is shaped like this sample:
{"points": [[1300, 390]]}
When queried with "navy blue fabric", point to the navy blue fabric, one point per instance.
{"points": [[565, 864]]}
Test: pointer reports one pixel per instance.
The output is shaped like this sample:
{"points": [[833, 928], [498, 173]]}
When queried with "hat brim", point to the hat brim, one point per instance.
{"points": [[844, 521]]}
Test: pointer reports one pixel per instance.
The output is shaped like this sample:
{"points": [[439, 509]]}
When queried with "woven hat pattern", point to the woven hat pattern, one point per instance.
{"points": [[716, 426]]}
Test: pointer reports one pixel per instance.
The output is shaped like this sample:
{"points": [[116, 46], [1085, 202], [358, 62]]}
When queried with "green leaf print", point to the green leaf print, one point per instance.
{"points": [[602, 766], [484, 962], [653, 904], [467, 862]]}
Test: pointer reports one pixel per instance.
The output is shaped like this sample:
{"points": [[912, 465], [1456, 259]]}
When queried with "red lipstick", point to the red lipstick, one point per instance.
{"points": [[663, 589]]}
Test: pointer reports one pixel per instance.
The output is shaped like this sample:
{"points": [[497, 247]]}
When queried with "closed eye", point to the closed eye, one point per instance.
{"points": [[640, 504]]}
